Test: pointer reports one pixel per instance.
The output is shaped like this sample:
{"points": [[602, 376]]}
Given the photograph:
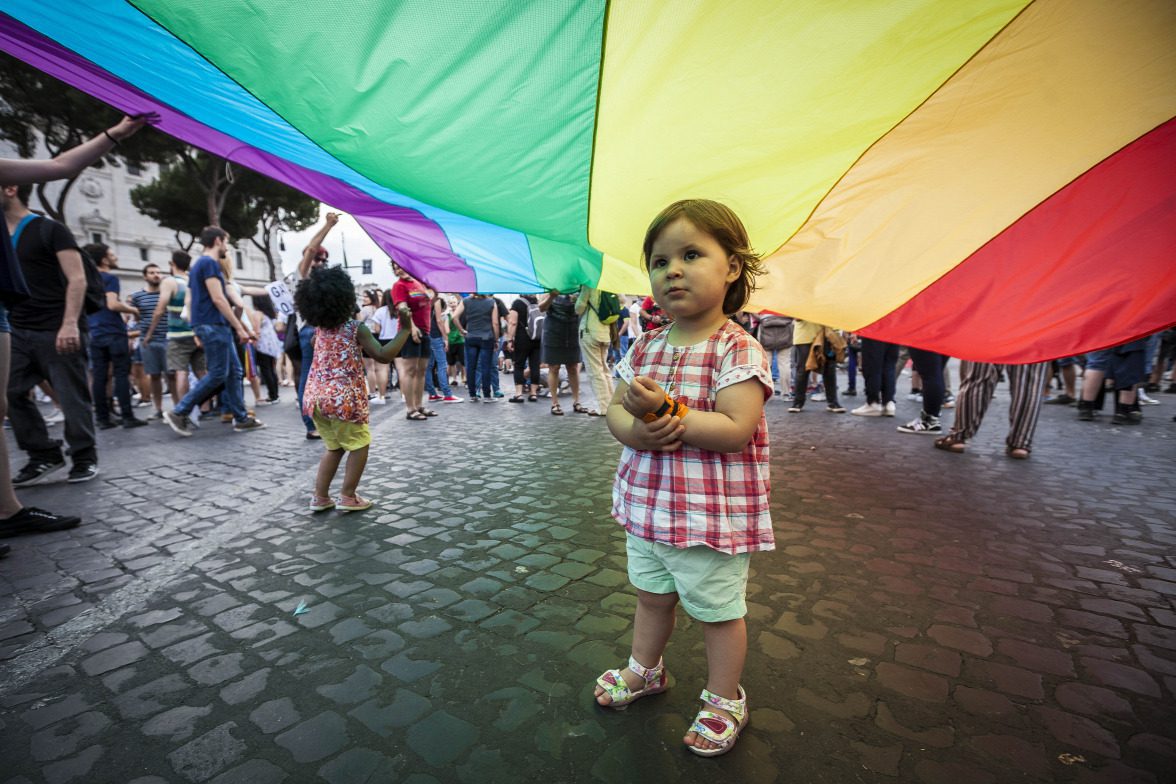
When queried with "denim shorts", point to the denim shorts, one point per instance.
{"points": [[1099, 360], [5, 327], [711, 586]]}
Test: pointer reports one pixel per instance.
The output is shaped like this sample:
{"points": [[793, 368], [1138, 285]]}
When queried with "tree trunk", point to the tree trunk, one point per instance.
{"points": [[265, 248]]}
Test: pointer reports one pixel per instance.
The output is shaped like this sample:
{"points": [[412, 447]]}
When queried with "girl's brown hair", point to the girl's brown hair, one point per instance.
{"points": [[720, 222]]}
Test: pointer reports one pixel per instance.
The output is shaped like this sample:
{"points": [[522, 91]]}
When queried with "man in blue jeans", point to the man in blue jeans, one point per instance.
{"points": [[214, 323], [108, 345]]}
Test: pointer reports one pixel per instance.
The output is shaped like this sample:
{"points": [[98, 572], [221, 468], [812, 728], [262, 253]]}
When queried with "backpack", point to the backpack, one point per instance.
{"points": [[535, 321], [95, 297], [608, 309], [775, 332]]}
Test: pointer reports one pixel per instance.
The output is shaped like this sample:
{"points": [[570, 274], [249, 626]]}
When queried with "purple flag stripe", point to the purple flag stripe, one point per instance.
{"points": [[405, 234]]}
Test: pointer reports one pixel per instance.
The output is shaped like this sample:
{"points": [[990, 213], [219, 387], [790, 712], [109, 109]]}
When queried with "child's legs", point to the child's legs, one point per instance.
{"points": [[356, 461], [653, 624], [726, 650], [328, 465]]}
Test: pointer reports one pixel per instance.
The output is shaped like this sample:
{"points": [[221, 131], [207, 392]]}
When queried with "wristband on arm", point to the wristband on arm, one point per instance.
{"points": [[669, 406]]}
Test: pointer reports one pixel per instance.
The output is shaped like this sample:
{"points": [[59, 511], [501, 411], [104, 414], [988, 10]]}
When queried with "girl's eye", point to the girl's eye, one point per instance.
{"points": [[691, 255], [658, 263]]}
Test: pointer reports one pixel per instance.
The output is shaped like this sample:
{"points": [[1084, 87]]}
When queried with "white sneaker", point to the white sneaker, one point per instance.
{"points": [[378, 401], [917, 397], [868, 409], [889, 409], [819, 397], [1145, 399], [56, 418]]}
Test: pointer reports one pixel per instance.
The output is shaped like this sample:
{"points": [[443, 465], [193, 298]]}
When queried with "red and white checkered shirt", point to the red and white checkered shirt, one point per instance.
{"points": [[695, 496]]}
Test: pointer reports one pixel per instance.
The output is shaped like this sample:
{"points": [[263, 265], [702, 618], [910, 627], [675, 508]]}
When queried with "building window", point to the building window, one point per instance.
{"points": [[240, 260], [134, 169], [97, 238], [142, 254], [367, 266]]}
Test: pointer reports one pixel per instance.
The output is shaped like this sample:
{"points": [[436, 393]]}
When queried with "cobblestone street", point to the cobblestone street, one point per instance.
{"points": [[926, 617]]}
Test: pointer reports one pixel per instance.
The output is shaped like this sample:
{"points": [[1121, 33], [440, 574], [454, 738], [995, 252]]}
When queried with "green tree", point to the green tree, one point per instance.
{"points": [[262, 206], [201, 190], [34, 105]]}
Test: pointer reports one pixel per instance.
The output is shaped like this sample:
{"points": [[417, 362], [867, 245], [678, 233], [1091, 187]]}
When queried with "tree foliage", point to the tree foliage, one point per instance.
{"points": [[201, 190], [34, 104]]}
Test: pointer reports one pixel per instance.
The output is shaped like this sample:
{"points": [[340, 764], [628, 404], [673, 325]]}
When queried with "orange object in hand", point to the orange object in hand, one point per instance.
{"points": [[670, 406]]}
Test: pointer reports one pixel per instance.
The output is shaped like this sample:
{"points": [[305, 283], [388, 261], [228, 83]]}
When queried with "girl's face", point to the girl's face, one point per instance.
{"points": [[690, 271]]}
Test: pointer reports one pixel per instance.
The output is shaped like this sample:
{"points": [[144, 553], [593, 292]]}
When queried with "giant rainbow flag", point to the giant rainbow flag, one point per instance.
{"points": [[995, 179]]}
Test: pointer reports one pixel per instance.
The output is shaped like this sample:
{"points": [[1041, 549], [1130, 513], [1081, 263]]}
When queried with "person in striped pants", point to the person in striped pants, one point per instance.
{"points": [[977, 383]]}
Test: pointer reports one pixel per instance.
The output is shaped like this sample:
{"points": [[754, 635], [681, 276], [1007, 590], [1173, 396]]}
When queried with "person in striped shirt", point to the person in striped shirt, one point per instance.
{"points": [[154, 351]]}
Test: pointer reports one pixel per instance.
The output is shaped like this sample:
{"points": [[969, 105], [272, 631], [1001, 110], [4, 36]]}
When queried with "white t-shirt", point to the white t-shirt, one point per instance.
{"points": [[388, 321], [634, 319]]}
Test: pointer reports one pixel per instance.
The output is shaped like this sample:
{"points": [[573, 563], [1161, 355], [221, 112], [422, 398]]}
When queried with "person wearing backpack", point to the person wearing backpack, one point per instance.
{"points": [[108, 344], [50, 338], [523, 341], [775, 335], [599, 311]]}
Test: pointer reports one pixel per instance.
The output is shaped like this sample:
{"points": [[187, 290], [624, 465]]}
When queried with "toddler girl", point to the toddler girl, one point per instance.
{"points": [[335, 395], [692, 487]]}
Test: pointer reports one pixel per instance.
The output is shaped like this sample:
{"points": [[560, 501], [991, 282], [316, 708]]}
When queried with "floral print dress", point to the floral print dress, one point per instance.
{"points": [[335, 386]]}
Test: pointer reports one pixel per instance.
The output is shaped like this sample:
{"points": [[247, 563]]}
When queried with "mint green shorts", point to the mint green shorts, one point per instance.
{"points": [[711, 586]]}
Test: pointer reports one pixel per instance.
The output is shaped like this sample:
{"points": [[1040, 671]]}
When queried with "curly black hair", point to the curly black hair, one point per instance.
{"points": [[326, 298]]}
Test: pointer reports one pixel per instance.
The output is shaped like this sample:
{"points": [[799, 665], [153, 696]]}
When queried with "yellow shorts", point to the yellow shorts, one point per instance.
{"points": [[348, 436]]}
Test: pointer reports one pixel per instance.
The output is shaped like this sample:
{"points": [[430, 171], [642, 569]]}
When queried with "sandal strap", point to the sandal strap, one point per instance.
{"points": [[648, 674], [715, 727], [737, 708]]}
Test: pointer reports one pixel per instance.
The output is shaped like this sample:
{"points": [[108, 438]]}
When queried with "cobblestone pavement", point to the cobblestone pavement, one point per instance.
{"points": [[926, 617]]}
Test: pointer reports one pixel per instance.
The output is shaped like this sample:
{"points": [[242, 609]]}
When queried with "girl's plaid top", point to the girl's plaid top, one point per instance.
{"points": [[695, 496]]}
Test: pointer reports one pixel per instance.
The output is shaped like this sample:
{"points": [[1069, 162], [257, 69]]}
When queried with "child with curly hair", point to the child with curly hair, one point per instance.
{"points": [[336, 396], [692, 486]]}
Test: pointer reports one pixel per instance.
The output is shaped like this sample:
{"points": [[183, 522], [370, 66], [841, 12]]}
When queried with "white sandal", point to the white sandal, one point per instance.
{"points": [[717, 728], [656, 681]]}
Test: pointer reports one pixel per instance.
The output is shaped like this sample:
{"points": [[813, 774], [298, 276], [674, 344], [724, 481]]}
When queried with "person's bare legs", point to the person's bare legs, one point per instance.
{"points": [[1091, 381], [9, 504], [402, 373], [178, 382], [356, 461], [1069, 376], [652, 625], [328, 466], [726, 650], [421, 366], [157, 391], [381, 379], [574, 383]]}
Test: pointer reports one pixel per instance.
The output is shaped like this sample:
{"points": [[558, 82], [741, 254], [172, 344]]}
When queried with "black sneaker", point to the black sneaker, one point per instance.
{"points": [[32, 520], [178, 422], [925, 425], [39, 472], [106, 424], [131, 422], [83, 472], [248, 423]]}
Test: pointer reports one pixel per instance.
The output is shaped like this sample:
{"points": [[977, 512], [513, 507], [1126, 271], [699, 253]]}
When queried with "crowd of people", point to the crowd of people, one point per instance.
{"points": [[680, 378]]}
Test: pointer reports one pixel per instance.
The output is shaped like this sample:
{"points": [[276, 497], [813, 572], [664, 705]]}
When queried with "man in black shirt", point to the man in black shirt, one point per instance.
{"points": [[49, 338]]}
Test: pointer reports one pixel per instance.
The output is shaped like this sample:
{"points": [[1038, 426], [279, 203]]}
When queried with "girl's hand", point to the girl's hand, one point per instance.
{"points": [[405, 316], [661, 435], [644, 396]]}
